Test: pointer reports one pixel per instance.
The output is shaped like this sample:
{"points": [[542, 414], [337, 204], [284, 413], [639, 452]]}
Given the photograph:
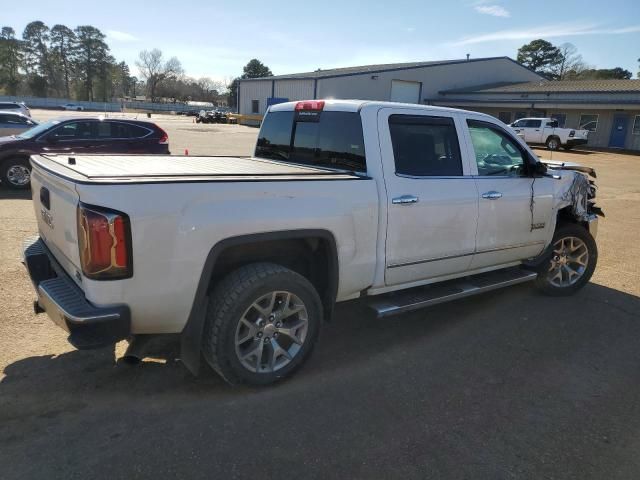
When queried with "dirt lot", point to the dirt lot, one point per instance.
{"points": [[506, 385]]}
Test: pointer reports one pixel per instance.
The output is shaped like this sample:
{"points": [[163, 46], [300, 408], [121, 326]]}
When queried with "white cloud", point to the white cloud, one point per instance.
{"points": [[121, 36], [549, 31], [410, 29], [493, 10]]}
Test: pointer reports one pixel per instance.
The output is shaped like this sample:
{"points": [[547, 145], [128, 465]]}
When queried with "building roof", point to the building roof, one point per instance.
{"points": [[555, 86], [379, 68]]}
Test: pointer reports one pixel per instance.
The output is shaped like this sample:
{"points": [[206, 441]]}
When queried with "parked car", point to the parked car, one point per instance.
{"points": [[77, 136], [12, 123], [246, 257], [545, 131], [15, 107], [73, 106]]}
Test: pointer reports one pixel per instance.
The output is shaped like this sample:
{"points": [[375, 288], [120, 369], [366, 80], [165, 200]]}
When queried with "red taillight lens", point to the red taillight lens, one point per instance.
{"points": [[104, 239], [164, 138], [310, 105]]}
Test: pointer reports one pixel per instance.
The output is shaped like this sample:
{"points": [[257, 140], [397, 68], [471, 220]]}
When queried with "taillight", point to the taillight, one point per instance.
{"points": [[310, 105], [104, 239], [164, 138]]}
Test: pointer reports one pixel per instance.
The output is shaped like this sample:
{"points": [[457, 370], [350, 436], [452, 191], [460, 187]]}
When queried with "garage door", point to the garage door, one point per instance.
{"points": [[405, 92]]}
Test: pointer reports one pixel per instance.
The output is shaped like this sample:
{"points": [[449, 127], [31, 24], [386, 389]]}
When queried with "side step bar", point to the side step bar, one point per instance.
{"points": [[420, 297]]}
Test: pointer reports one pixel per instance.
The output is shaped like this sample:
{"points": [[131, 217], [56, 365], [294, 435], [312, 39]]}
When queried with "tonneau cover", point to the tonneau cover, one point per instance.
{"points": [[166, 168]]}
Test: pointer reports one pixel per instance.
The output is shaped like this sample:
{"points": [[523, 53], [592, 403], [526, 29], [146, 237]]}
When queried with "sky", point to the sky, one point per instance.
{"points": [[216, 39]]}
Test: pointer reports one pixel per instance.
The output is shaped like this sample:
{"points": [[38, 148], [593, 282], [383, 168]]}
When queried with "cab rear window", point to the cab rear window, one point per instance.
{"points": [[321, 139]]}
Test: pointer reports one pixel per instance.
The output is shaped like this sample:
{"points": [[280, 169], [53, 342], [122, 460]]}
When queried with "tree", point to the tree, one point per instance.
{"points": [[10, 60], [570, 64], [540, 56], [254, 69], [91, 51], [617, 73], [35, 42], [156, 71], [63, 48]]}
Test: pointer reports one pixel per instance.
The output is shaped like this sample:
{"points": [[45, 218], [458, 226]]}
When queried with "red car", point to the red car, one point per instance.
{"points": [[77, 135]]}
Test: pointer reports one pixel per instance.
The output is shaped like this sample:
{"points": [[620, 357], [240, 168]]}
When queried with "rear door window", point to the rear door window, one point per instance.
{"points": [[425, 146], [322, 139]]}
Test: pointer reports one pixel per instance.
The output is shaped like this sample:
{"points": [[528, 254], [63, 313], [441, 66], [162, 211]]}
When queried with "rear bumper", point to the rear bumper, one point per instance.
{"points": [[88, 326], [576, 141]]}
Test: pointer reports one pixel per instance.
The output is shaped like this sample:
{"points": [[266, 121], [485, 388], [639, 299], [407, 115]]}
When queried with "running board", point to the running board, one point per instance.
{"points": [[415, 298]]}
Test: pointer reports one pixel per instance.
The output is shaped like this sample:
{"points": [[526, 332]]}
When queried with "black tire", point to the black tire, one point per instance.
{"points": [[553, 143], [543, 281], [9, 179], [230, 301]]}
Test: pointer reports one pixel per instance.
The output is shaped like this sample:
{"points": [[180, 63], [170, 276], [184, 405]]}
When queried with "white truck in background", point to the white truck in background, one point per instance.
{"points": [[402, 206], [545, 131]]}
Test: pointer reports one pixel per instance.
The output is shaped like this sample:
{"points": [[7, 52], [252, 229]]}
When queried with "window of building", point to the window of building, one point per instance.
{"points": [[520, 115], [505, 117], [636, 125], [255, 106], [325, 139], [561, 118], [496, 152], [588, 122], [425, 146]]}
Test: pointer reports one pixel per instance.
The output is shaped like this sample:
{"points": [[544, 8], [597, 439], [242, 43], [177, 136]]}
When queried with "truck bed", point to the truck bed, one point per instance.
{"points": [[112, 169]]}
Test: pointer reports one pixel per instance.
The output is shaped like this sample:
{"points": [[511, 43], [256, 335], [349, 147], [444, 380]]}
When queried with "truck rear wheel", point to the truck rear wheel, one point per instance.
{"points": [[553, 143], [262, 323], [571, 261]]}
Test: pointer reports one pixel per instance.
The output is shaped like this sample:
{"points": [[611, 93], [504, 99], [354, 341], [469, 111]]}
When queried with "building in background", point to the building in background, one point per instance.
{"points": [[398, 82], [500, 86], [609, 109]]}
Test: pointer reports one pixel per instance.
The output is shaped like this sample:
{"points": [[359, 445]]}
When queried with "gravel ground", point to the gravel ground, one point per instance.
{"points": [[506, 385]]}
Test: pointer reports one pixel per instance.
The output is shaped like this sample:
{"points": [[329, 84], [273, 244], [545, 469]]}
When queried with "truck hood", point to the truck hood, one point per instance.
{"points": [[555, 165]]}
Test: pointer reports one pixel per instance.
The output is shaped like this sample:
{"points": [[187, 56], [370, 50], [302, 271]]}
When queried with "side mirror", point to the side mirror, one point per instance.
{"points": [[540, 169]]}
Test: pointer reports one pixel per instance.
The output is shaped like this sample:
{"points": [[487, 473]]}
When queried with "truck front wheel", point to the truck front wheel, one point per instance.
{"points": [[262, 323], [570, 262]]}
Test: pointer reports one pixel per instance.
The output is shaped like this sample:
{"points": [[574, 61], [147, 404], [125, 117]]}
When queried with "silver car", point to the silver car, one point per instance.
{"points": [[13, 123], [15, 107]]}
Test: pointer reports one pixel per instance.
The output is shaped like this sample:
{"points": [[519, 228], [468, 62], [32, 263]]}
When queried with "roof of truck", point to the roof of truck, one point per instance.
{"points": [[356, 105], [168, 168]]}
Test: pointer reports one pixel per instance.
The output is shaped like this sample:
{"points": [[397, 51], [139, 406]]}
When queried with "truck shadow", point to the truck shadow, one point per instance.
{"points": [[355, 342]]}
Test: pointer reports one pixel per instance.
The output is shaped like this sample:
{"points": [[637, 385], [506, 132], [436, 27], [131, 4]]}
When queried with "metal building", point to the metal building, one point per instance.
{"points": [[417, 82], [609, 109]]}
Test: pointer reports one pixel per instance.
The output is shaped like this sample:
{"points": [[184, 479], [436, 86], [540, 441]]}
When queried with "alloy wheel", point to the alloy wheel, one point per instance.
{"points": [[18, 175], [271, 332], [569, 261]]}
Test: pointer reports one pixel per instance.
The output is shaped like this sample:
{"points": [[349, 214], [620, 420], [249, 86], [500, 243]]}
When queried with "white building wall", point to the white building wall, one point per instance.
{"points": [[294, 89], [254, 90], [433, 79]]}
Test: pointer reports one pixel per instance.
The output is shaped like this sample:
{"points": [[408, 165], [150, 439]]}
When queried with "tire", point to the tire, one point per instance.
{"points": [[246, 324], [561, 259], [16, 173], [553, 143]]}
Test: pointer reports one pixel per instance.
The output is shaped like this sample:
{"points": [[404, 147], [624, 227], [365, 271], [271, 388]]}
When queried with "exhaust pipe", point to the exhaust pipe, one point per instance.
{"points": [[136, 349]]}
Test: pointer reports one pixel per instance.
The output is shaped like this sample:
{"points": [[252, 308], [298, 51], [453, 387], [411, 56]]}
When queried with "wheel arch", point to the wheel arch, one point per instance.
{"points": [[233, 252]]}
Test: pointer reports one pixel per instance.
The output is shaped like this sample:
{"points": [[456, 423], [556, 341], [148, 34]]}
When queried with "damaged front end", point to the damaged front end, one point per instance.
{"points": [[576, 193]]}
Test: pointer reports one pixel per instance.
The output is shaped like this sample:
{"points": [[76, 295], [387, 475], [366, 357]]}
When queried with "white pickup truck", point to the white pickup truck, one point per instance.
{"points": [[545, 131], [402, 206]]}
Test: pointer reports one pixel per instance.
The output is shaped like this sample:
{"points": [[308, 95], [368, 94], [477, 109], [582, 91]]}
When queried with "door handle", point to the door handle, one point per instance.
{"points": [[492, 195], [404, 200]]}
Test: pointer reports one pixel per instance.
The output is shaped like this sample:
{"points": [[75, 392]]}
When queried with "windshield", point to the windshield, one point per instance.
{"points": [[318, 139], [39, 129]]}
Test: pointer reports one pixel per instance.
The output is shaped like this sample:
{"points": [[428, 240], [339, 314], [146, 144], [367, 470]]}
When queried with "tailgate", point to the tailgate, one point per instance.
{"points": [[55, 201]]}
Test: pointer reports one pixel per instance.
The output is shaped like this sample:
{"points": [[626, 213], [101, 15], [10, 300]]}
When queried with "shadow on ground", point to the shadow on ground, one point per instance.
{"points": [[505, 384], [7, 194]]}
